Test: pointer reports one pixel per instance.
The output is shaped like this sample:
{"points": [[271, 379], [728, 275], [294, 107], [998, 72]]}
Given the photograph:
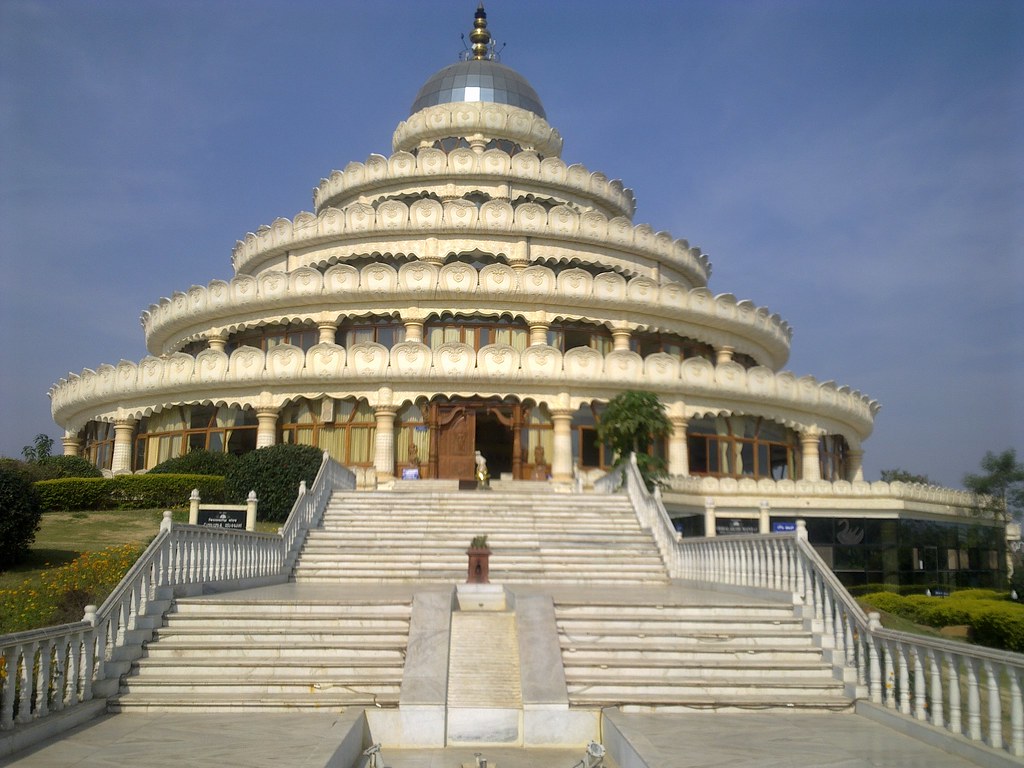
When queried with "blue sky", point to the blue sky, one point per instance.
{"points": [[857, 167]]}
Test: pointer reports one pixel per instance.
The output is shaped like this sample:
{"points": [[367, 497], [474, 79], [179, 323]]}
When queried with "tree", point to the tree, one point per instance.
{"points": [[41, 448], [1001, 488], [20, 512], [631, 423], [897, 475]]}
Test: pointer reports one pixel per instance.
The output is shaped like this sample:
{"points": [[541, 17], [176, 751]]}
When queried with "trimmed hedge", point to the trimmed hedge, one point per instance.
{"points": [[128, 492], [994, 620], [54, 467], [274, 473], [196, 463]]}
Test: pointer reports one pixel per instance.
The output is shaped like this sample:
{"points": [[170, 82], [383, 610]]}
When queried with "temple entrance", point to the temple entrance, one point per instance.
{"points": [[461, 427]]}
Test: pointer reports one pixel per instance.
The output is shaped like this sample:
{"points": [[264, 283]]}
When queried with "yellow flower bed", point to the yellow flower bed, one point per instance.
{"points": [[61, 594]]}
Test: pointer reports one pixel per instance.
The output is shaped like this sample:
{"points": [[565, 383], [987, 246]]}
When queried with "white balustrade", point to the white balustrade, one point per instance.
{"points": [[968, 690], [48, 670]]}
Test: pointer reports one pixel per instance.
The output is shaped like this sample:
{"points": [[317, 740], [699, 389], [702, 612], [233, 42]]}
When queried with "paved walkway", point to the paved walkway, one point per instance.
{"points": [[699, 740]]}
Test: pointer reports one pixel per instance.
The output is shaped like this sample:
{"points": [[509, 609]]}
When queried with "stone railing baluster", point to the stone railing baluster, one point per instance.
{"points": [[953, 687]]}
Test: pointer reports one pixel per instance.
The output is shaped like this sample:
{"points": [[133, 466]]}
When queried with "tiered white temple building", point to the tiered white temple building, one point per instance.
{"points": [[472, 292]]}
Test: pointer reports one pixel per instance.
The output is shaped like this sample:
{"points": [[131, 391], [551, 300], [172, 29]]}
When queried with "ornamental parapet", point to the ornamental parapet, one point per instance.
{"points": [[131, 389], [429, 167], [486, 120], [342, 287], [859, 496], [427, 217]]}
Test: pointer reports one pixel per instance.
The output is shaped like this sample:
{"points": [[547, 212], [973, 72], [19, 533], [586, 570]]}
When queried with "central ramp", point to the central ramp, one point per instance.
{"points": [[485, 697]]}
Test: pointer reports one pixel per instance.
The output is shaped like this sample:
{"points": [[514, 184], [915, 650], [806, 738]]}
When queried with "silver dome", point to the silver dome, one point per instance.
{"points": [[478, 80]]}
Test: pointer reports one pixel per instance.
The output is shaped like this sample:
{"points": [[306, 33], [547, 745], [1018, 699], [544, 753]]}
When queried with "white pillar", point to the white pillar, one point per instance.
{"points": [[538, 333], [855, 465], [266, 429], [709, 517], [384, 445], [764, 520], [678, 451], [810, 461], [218, 342], [124, 431], [561, 463], [328, 332], [621, 338], [413, 330], [72, 444], [723, 355]]}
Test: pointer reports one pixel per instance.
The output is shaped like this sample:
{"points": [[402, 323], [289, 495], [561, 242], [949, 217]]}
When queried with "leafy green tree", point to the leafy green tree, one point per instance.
{"points": [[1001, 488], [20, 513], [631, 423], [41, 448], [897, 475]]}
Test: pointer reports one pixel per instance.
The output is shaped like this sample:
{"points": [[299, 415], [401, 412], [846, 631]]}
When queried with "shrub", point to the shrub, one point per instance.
{"points": [[889, 602], [999, 625], [54, 467], [127, 492], [30, 471], [20, 512], [274, 473], [196, 463]]}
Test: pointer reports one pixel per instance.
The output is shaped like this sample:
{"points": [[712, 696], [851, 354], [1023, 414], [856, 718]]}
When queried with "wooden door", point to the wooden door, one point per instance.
{"points": [[456, 441]]}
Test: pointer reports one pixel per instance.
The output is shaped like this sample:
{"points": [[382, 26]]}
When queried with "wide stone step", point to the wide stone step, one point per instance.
{"points": [[216, 702], [299, 623], [730, 624], [352, 651], [615, 611], [244, 688], [615, 670], [257, 633], [768, 689], [737, 701], [697, 654], [668, 641], [235, 668], [342, 577], [357, 610]]}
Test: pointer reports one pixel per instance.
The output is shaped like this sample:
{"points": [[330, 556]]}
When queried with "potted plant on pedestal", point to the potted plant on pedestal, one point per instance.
{"points": [[479, 561]]}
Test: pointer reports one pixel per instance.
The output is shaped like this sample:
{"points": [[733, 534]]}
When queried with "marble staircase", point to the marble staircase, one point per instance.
{"points": [[410, 536], [221, 654], [726, 655]]}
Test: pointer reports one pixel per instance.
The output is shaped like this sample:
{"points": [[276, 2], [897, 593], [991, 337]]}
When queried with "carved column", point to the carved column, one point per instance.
{"points": [[855, 465], [124, 431], [72, 444], [328, 332], [561, 463], [723, 354], [810, 460], [709, 518], [384, 445], [539, 333], [621, 338], [218, 342], [266, 429], [678, 452], [413, 329]]}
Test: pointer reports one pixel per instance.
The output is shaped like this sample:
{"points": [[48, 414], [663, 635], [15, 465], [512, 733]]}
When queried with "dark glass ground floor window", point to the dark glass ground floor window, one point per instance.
{"points": [[98, 443], [742, 446], [184, 428]]}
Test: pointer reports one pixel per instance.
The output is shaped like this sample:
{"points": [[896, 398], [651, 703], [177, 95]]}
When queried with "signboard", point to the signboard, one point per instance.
{"points": [[778, 526], [734, 526], [411, 473], [222, 517]]}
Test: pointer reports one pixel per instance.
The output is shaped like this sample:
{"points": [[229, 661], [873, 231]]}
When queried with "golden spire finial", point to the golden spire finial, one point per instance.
{"points": [[480, 37]]}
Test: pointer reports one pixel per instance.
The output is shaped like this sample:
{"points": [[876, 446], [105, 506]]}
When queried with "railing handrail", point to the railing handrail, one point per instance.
{"points": [[179, 556], [916, 677]]}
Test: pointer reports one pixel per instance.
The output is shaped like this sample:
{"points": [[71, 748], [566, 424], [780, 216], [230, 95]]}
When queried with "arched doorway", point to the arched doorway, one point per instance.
{"points": [[461, 426]]}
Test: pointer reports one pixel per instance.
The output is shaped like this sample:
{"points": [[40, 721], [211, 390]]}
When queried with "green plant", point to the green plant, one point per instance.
{"points": [[54, 467], [127, 492], [631, 423], [478, 542], [196, 463], [274, 473], [20, 512]]}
